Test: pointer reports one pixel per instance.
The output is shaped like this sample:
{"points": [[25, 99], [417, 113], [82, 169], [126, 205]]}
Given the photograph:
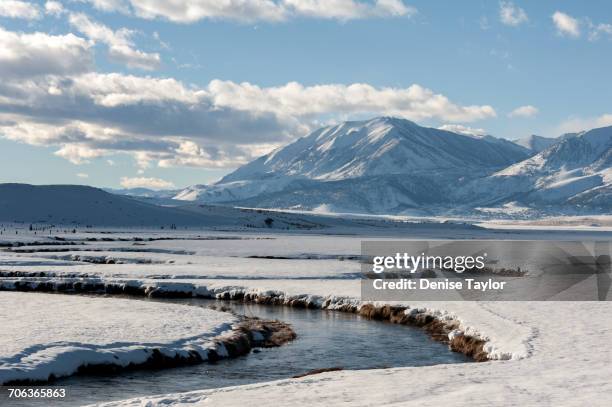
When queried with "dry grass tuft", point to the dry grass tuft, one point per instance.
{"points": [[469, 346]]}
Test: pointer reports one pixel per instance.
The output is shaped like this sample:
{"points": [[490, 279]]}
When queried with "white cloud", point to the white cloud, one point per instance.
{"points": [[48, 97], [189, 11], [120, 46], [113, 89], [346, 9], [512, 15], [222, 125], [19, 9], [573, 26], [577, 124], [82, 175], [54, 8], [24, 55], [524, 111], [108, 5], [414, 102], [79, 154], [143, 182], [566, 24], [190, 154], [461, 129], [600, 30]]}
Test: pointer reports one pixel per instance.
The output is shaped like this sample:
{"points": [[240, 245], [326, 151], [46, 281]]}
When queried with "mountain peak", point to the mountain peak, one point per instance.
{"points": [[383, 145], [392, 165]]}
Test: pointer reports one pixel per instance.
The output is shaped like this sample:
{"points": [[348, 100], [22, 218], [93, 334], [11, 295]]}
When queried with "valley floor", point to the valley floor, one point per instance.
{"points": [[542, 353]]}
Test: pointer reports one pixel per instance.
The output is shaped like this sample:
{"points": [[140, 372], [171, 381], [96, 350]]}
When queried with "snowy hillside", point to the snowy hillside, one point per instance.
{"points": [[383, 165], [574, 173], [82, 205]]}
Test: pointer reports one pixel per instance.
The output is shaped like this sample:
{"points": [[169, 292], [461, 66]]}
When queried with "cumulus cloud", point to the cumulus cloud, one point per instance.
{"points": [[414, 102], [120, 46], [524, 111], [26, 55], [113, 89], [461, 129], [189, 11], [222, 125], [82, 175], [190, 154], [19, 9], [512, 15], [49, 97], [54, 8], [566, 24], [143, 182], [79, 154]]}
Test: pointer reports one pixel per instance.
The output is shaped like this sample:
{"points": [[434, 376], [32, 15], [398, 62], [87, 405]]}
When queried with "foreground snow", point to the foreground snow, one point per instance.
{"points": [[560, 356], [44, 334], [546, 353]]}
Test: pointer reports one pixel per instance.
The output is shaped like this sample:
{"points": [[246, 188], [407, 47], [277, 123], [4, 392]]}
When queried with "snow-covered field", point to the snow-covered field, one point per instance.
{"points": [[547, 353], [47, 334]]}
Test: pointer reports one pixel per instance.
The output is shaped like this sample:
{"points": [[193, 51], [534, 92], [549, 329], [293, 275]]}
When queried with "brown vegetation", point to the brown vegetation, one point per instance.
{"points": [[317, 371]]}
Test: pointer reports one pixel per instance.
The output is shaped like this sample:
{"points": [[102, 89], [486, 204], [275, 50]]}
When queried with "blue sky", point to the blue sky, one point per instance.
{"points": [[168, 94]]}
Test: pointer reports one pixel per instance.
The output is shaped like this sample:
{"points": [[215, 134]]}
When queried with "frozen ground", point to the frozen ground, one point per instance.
{"points": [[47, 334], [549, 353]]}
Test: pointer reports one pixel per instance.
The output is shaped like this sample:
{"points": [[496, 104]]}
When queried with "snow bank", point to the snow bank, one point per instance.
{"points": [[45, 336], [567, 362], [339, 295]]}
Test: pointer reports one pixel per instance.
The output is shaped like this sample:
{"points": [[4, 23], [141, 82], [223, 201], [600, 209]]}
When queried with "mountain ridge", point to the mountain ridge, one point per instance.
{"points": [[575, 173], [394, 166], [385, 164]]}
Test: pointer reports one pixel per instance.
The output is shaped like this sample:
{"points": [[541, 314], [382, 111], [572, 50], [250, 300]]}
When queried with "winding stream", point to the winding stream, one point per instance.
{"points": [[325, 339]]}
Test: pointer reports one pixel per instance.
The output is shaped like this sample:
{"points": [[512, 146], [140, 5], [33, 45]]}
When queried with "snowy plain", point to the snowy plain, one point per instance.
{"points": [[544, 353], [48, 334]]}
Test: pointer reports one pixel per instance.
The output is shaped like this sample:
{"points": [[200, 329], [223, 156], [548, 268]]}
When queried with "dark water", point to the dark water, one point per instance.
{"points": [[325, 339]]}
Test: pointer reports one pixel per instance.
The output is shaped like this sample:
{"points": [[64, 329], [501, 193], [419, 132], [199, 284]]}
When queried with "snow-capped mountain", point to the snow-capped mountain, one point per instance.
{"points": [[536, 143], [575, 173], [381, 146], [394, 166], [381, 165]]}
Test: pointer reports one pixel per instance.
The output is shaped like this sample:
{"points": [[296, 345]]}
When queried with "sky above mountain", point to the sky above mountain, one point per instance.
{"points": [[164, 94]]}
